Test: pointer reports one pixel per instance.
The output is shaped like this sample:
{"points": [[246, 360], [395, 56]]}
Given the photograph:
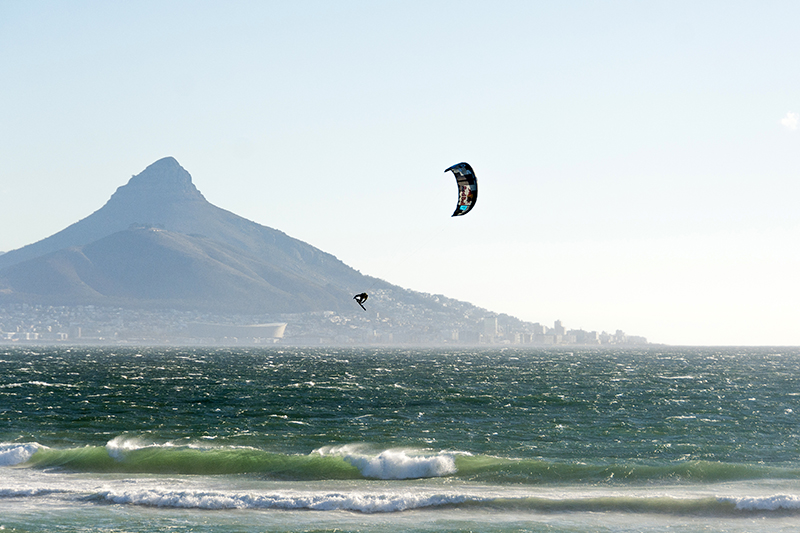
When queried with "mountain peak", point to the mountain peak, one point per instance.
{"points": [[167, 167], [162, 195], [165, 178]]}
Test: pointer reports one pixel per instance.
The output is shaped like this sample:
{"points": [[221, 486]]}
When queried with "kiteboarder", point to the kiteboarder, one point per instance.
{"points": [[360, 299]]}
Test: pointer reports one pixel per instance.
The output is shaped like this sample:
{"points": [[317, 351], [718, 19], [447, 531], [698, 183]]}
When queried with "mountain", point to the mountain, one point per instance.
{"points": [[164, 196], [159, 242]]}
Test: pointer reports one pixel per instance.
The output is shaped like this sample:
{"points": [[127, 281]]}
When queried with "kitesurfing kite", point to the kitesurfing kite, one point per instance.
{"points": [[467, 188], [360, 299]]}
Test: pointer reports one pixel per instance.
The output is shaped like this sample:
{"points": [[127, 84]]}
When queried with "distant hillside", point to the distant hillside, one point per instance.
{"points": [[164, 269]]}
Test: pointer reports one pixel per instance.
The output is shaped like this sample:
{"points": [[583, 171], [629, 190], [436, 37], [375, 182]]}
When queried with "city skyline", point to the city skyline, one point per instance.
{"points": [[42, 324]]}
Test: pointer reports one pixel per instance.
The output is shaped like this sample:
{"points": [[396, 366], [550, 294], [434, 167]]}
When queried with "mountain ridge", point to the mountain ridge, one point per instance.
{"points": [[164, 196]]}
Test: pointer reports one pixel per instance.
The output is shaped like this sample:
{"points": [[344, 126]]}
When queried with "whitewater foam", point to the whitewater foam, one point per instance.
{"points": [[119, 446], [360, 502], [27, 492], [766, 503], [399, 501], [394, 463], [14, 454]]}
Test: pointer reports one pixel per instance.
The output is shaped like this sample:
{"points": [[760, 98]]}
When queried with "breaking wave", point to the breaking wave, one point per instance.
{"points": [[403, 501], [135, 455], [394, 463], [361, 502], [13, 454], [361, 461]]}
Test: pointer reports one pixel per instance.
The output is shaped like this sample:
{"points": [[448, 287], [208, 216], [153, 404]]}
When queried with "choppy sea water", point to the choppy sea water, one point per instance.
{"points": [[285, 439]]}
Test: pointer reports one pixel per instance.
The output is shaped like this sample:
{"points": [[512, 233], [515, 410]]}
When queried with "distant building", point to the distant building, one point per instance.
{"points": [[544, 339]]}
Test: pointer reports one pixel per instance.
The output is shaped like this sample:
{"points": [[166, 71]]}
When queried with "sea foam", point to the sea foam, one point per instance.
{"points": [[360, 502], [394, 463], [119, 446], [405, 500], [14, 454], [766, 503]]}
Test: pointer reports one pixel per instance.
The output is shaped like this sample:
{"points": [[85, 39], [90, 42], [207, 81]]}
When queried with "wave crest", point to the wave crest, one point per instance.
{"points": [[15, 454], [360, 502], [407, 500], [777, 502], [119, 446], [394, 463]]}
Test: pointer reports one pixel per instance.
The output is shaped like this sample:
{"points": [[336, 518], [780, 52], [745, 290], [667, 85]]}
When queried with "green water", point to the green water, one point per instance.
{"points": [[544, 437], [713, 405]]}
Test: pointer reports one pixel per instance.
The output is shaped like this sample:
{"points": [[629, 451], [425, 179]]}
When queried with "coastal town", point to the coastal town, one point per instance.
{"points": [[38, 324]]}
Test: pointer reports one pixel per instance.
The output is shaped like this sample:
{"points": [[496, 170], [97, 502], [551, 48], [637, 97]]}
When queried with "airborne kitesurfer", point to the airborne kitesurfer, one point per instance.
{"points": [[360, 299]]}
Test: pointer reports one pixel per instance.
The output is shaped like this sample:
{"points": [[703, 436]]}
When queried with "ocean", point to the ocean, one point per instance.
{"points": [[132, 439]]}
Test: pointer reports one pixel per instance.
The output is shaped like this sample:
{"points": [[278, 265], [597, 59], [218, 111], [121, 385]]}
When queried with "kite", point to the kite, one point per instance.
{"points": [[467, 188]]}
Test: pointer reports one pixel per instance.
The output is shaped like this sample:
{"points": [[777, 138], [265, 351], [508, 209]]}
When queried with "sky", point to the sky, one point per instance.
{"points": [[638, 162]]}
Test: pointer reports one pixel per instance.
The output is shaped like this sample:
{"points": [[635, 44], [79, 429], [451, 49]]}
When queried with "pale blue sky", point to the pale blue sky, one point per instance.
{"points": [[638, 161]]}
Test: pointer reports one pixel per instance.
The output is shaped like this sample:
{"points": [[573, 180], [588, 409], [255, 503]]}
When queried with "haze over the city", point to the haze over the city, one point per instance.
{"points": [[638, 162]]}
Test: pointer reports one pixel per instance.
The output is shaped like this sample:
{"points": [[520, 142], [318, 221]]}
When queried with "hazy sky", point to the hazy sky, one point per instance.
{"points": [[638, 161]]}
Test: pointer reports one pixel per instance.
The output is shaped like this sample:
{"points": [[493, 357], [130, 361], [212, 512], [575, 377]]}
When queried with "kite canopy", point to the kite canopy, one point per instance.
{"points": [[467, 188]]}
